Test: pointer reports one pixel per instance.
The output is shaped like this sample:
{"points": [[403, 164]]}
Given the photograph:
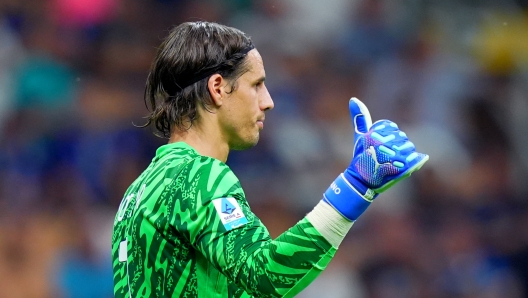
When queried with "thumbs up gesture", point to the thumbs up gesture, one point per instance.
{"points": [[383, 155]]}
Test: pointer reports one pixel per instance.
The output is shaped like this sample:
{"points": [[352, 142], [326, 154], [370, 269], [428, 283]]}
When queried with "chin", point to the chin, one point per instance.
{"points": [[246, 143]]}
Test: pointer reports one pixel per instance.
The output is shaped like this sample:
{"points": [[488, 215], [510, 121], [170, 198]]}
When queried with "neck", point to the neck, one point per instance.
{"points": [[204, 139]]}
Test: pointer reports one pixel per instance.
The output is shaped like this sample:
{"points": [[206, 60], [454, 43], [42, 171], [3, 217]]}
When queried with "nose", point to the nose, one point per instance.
{"points": [[266, 103]]}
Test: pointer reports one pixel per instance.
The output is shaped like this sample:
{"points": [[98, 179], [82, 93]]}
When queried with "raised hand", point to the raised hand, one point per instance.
{"points": [[383, 155]]}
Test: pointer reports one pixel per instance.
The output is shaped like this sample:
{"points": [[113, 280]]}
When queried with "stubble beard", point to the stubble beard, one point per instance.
{"points": [[246, 143]]}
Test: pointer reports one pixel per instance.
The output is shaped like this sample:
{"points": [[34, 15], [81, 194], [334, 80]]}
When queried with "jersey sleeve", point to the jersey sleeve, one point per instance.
{"points": [[216, 219]]}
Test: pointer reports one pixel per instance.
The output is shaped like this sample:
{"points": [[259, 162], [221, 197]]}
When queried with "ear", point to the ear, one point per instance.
{"points": [[216, 85]]}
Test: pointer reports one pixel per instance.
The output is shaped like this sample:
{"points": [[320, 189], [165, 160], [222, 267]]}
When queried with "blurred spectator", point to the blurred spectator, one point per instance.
{"points": [[81, 269], [11, 51], [83, 13]]}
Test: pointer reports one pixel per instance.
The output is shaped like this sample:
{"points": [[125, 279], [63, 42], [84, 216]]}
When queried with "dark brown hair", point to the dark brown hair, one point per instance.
{"points": [[177, 82]]}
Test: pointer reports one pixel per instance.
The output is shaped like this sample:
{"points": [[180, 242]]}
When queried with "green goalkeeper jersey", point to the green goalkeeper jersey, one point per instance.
{"points": [[185, 229]]}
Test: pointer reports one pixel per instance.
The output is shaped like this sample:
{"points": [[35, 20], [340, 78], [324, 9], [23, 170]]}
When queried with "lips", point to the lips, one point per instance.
{"points": [[260, 121]]}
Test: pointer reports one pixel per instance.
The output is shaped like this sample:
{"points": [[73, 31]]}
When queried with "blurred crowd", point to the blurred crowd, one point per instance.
{"points": [[452, 74]]}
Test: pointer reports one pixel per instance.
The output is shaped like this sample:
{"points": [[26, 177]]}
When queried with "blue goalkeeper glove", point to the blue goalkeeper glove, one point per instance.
{"points": [[383, 155]]}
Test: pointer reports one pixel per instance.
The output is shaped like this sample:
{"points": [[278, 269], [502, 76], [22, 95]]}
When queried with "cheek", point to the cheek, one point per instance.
{"points": [[250, 103], [255, 102]]}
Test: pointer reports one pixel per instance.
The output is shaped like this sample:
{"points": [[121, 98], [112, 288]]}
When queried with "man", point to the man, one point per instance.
{"points": [[184, 227]]}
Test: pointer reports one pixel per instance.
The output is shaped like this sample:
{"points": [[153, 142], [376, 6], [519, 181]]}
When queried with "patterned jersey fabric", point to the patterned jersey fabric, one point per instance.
{"points": [[185, 229]]}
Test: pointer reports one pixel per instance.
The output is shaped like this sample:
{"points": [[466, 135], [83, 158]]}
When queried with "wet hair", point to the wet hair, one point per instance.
{"points": [[189, 55]]}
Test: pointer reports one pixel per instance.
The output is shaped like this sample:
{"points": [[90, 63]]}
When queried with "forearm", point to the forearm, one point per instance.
{"points": [[285, 266]]}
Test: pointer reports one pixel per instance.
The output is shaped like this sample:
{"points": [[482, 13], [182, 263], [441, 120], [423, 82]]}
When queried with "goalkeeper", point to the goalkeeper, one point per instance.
{"points": [[184, 227]]}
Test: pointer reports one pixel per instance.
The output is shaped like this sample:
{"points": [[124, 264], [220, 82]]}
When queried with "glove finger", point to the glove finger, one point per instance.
{"points": [[403, 147], [384, 125], [387, 133], [417, 160], [360, 116]]}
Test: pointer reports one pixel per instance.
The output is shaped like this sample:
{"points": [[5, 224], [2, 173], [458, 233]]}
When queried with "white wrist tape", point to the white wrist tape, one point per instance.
{"points": [[330, 223]]}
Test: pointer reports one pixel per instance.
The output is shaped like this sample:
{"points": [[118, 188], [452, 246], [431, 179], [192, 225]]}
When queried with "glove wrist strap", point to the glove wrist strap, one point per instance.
{"points": [[347, 198]]}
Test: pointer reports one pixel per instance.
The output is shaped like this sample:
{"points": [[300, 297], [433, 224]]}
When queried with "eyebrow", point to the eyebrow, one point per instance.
{"points": [[261, 79]]}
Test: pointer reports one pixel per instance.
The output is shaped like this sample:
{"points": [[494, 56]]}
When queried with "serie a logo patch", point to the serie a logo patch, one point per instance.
{"points": [[230, 213]]}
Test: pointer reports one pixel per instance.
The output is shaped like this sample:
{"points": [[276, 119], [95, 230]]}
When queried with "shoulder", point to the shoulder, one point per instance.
{"points": [[211, 177], [200, 166]]}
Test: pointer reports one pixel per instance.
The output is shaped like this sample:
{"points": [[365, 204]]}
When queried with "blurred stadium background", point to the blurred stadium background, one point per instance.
{"points": [[452, 73]]}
